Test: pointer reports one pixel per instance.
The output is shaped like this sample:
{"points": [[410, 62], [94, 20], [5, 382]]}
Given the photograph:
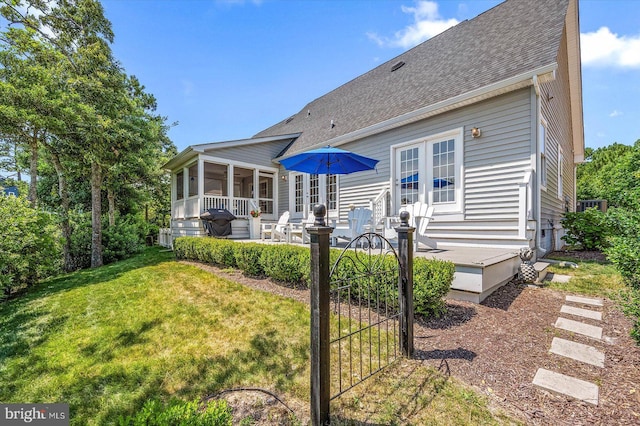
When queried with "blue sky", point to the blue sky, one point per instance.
{"points": [[226, 69]]}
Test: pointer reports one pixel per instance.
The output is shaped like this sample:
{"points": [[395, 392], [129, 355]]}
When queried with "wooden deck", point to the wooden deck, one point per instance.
{"points": [[479, 270]]}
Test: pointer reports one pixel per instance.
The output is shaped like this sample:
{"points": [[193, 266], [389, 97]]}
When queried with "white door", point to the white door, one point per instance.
{"points": [[410, 175]]}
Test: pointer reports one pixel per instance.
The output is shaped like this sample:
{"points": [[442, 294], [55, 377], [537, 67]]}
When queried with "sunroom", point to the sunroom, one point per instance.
{"points": [[204, 185]]}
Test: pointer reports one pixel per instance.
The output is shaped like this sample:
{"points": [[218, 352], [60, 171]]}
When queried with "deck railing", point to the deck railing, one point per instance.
{"points": [[240, 207], [586, 204], [380, 206]]}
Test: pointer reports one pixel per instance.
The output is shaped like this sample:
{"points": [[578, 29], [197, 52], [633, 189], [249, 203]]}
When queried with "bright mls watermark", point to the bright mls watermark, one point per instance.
{"points": [[37, 414]]}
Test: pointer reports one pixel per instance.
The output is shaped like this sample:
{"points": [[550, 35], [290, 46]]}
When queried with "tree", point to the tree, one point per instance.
{"points": [[608, 174], [70, 104]]}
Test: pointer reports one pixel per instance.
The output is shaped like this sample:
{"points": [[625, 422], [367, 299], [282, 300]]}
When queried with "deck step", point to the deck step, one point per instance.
{"points": [[541, 269]]}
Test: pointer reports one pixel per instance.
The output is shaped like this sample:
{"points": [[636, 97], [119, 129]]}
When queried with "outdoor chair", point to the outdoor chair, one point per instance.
{"points": [[359, 219], [277, 231], [299, 230], [420, 214]]}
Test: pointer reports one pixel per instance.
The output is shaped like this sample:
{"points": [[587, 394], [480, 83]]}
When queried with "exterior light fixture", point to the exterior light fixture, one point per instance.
{"points": [[476, 132]]}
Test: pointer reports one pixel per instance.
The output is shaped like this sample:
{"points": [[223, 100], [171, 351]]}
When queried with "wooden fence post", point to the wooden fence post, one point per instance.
{"points": [[319, 235], [405, 283]]}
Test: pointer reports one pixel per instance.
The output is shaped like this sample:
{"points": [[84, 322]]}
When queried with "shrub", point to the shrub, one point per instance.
{"points": [[282, 263], [587, 230], [248, 259], [121, 241], [180, 413], [630, 301], [432, 279], [292, 264], [624, 244], [30, 244]]}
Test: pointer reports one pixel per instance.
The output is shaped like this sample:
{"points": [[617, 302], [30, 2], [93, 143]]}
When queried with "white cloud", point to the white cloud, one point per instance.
{"points": [[615, 113], [427, 23], [604, 48]]}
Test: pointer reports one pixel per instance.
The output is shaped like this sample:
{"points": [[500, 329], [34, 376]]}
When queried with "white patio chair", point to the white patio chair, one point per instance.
{"points": [[359, 220], [299, 230], [420, 214], [277, 231]]}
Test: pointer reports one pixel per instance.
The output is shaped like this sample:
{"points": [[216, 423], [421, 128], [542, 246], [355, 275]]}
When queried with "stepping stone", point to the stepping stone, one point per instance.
{"points": [[566, 385], [584, 300], [577, 351], [579, 327], [586, 313], [558, 278]]}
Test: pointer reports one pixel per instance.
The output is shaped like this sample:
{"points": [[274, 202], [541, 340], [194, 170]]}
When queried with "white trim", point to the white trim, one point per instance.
{"points": [[544, 158], [560, 172], [501, 87], [241, 142]]}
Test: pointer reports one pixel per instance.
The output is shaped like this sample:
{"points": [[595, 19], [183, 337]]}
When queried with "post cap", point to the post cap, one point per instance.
{"points": [[319, 211], [404, 218]]}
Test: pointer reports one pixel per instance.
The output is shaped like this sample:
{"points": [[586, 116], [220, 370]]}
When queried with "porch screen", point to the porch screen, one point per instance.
{"points": [[180, 186], [265, 193]]}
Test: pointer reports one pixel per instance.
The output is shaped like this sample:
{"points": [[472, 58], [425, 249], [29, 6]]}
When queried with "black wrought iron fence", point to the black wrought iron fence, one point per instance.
{"points": [[364, 295]]}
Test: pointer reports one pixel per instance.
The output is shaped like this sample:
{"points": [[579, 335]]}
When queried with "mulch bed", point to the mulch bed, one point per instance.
{"points": [[496, 347]]}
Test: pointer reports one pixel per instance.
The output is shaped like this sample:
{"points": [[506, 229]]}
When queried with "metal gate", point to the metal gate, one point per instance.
{"points": [[370, 291], [365, 302]]}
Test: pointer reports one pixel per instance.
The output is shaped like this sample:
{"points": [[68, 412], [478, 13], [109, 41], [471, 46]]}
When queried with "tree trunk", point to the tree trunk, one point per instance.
{"points": [[112, 207], [64, 214], [96, 213], [33, 169]]}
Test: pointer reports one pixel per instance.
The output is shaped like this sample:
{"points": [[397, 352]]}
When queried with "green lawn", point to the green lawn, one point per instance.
{"points": [[106, 340], [591, 278]]}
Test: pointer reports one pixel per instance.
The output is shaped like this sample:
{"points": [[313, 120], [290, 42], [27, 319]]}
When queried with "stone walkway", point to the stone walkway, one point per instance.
{"points": [[561, 383]]}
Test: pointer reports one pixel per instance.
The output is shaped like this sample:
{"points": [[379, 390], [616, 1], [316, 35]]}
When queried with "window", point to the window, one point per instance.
{"points": [[332, 192], [444, 172], [179, 185], [560, 173], [193, 180], [543, 156], [430, 170], [409, 174], [298, 197], [314, 191]]}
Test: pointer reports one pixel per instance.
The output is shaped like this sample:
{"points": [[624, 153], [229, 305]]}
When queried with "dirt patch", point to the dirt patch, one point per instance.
{"points": [[583, 255], [496, 347]]}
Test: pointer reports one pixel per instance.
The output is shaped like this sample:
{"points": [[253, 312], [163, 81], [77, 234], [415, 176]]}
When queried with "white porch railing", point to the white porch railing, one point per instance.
{"points": [[165, 238], [192, 207], [525, 211], [240, 207], [380, 207]]}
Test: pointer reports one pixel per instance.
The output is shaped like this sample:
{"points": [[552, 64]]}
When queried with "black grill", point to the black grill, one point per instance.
{"points": [[217, 222]]}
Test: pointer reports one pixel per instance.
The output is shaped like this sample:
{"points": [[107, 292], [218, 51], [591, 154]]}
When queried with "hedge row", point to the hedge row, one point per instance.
{"points": [[292, 264]]}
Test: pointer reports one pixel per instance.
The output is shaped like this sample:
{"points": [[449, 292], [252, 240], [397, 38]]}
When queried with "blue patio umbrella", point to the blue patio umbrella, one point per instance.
{"points": [[329, 160]]}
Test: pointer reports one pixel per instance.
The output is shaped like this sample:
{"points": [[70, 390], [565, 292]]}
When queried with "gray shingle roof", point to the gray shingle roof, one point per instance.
{"points": [[510, 39]]}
